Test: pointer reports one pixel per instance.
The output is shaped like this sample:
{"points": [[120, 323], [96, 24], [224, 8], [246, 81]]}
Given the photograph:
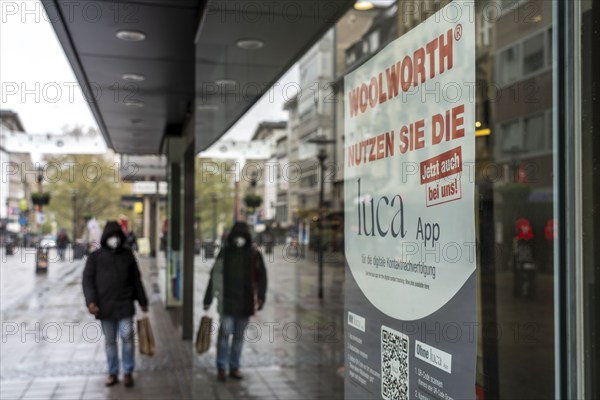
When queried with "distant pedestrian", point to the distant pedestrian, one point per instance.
{"points": [[266, 239], [131, 241], [93, 235], [239, 281], [124, 222], [163, 238], [61, 243], [111, 284]]}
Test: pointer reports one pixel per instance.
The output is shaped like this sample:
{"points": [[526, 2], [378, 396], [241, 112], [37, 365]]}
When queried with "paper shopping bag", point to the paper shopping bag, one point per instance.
{"points": [[145, 336], [203, 335]]}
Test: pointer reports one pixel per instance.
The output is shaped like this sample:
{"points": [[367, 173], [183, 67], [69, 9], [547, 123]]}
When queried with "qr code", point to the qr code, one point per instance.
{"points": [[394, 364]]}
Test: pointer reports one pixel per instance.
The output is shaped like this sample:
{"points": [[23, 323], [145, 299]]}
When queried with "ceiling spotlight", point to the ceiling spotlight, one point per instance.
{"points": [[207, 107], [363, 5], [477, 124], [134, 103], [131, 77], [131, 36], [225, 82], [250, 44]]}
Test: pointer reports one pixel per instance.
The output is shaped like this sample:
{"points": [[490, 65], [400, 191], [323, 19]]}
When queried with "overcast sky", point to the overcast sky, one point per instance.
{"points": [[38, 82], [31, 59]]}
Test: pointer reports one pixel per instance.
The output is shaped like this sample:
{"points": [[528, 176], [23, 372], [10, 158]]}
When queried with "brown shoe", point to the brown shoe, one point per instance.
{"points": [[111, 380], [236, 374], [221, 375], [128, 380]]}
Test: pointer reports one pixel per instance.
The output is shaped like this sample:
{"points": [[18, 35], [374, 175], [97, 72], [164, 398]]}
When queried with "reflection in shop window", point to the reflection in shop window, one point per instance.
{"points": [[308, 181], [373, 41], [509, 65], [533, 54], [548, 132], [525, 58], [549, 47], [511, 137], [281, 148], [534, 133], [506, 4], [527, 135]]}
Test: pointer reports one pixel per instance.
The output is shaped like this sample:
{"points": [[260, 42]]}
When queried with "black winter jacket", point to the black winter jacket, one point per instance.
{"points": [[243, 277], [239, 301], [111, 278]]}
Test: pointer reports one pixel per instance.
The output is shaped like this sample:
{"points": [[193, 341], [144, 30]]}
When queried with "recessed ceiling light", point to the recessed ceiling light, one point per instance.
{"points": [[363, 5], [132, 77], [250, 44], [131, 36], [134, 103], [207, 107], [225, 82], [477, 124]]}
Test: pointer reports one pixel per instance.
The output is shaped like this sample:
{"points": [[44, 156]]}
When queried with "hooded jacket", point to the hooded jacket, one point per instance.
{"points": [[239, 276], [111, 278]]}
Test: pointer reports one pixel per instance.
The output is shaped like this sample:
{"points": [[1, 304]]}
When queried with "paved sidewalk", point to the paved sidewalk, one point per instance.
{"points": [[52, 349], [294, 346]]}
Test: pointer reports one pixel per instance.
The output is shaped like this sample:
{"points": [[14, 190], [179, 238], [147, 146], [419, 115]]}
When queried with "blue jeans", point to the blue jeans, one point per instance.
{"points": [[235, 326], [110, 328]]}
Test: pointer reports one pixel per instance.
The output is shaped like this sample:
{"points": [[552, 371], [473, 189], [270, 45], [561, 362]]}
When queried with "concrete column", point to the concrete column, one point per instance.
{"points": [[180, 257], [189, 239], [147, 216], [174, 270], [188, 218], [153, 225]]}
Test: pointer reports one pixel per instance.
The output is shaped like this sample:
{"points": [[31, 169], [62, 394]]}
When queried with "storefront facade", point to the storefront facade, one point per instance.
{"points": [[536, 193], [536, 167]]}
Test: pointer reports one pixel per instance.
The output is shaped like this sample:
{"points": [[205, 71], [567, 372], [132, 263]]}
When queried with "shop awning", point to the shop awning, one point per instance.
{"points": [[193, 58]]}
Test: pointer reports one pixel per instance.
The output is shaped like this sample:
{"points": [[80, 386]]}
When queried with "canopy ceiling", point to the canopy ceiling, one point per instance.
{"points": [[189, 46]]}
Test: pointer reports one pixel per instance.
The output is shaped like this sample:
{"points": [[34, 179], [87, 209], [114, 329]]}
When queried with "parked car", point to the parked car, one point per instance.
{"points": [[9, 245], [48, 241]]}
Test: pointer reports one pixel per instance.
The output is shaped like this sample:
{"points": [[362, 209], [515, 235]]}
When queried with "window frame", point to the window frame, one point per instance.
{"points": [[521, 76]]}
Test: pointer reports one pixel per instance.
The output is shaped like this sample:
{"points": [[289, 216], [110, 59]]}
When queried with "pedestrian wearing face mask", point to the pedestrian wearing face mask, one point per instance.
{"points": [[111, 284], [239, 281]]}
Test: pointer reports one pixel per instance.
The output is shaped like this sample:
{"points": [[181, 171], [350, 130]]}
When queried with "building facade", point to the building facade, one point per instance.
{"points": [[524, 183], [18, 180], [263, 177], [515, 176], [535, 173]]}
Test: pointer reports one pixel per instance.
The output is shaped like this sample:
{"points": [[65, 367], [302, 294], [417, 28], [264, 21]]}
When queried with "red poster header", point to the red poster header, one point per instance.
{"points": [[412, 70], [441, 166]]}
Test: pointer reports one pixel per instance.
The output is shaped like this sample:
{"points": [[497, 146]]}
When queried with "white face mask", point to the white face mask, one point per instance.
{"points": [[113, 242], [240, 241]]}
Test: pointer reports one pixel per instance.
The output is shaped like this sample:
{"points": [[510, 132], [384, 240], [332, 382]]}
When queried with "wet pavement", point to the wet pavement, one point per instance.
{"points": [[294, 346], [53, 349]]}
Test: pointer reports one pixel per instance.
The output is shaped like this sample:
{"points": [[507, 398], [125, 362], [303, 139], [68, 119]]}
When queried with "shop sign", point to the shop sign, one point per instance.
{"points": [[40, 218], [409, 126]]}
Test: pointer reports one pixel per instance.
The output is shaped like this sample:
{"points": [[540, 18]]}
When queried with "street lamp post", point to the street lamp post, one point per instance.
{"points": [[213, 197], [74, 193], [303, 228], [515, 152], [251, 209], [40, 178], [321, 156]]}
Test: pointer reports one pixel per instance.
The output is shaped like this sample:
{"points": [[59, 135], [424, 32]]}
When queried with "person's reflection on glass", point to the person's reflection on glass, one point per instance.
{"points": [[524, 262]]}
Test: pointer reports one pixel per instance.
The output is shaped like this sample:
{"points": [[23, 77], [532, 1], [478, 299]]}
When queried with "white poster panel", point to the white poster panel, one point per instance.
{"points": [[409, 158]]}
